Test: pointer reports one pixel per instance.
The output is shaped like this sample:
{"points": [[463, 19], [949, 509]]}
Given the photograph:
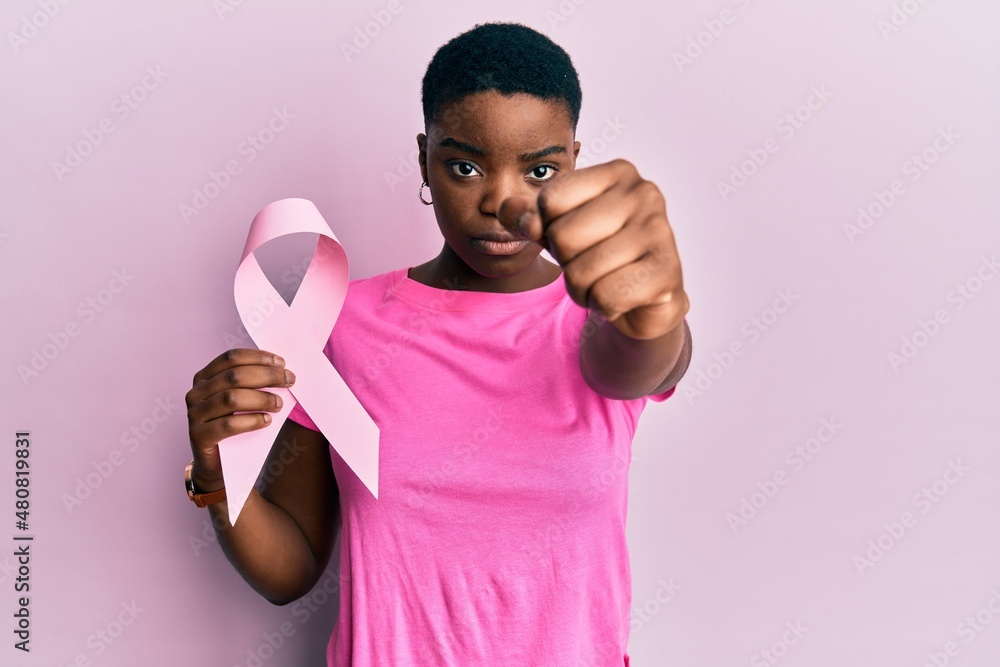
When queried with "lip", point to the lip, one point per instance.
{"points": [[499, 244], [497, 236]]}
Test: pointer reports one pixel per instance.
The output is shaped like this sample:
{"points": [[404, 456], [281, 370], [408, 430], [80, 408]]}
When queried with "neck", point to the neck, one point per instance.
{"points": [[448, 271]]}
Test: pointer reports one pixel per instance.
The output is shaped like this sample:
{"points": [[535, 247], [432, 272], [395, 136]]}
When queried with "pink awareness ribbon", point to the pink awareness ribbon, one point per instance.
{"points": [[298, 333]]}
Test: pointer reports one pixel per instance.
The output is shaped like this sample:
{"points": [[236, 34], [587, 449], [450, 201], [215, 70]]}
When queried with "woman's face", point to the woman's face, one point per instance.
{"points": [[481, 150]]}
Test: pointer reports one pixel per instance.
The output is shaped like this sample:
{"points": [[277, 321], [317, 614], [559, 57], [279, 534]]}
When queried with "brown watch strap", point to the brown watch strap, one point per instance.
{"points": [[201, 499]]}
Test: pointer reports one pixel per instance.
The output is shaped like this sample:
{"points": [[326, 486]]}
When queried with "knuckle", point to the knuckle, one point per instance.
{"points": [[600, 298], [624, 165], [649, 192], [667, 231], [230, 355], [231, 377], [603, 253], [228, 398]]}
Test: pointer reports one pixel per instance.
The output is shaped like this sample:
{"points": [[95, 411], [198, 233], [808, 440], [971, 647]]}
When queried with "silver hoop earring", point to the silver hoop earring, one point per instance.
{"points": [[420, 194]]}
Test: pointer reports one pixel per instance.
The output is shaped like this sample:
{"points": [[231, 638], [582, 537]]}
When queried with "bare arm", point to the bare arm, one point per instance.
{"points": [[621, 367], [284, 537]]}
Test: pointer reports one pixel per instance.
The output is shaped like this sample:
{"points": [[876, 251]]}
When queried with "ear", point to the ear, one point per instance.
{"points": [[422, 157], [576, 152]]}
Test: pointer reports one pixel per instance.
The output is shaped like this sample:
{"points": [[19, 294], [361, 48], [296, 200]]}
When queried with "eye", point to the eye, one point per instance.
{"points": [[543, 172], [463, 169]]}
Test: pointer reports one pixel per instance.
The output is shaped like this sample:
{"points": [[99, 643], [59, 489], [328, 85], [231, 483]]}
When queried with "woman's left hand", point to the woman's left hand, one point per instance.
{"points": [[607, 228]]}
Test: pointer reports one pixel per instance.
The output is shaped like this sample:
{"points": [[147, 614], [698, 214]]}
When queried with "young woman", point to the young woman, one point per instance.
{"points": [[506, 388]]}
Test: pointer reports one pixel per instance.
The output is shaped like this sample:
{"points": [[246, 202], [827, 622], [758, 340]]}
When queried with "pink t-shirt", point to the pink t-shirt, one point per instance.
{"points": [[498, 537]]}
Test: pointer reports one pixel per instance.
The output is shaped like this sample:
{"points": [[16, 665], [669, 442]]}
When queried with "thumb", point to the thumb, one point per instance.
{"points": [[519, 215]]}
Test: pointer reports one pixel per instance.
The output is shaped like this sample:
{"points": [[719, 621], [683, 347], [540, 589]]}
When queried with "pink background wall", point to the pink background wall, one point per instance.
{"points": [[811, 429]]}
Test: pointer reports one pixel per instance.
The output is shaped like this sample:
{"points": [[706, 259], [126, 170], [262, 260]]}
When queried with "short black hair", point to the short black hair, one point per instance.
{"points": [[506, 57]]}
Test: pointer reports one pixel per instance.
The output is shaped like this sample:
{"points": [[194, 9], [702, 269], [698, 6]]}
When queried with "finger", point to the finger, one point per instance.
{"points": [[653, 279], [655, 319], [572, 189], [590, 224], [615, 251], [206, 436], [237, 357], [517, 209], [250, 377], [231, 400], [562, 195]]}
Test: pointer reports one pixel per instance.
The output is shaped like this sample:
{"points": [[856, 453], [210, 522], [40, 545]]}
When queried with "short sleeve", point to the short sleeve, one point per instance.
{"points": [[659, 398], [300, 417]]}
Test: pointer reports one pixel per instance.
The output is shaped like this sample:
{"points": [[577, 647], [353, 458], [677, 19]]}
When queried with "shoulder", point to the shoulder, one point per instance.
{"points": [[377, 286]]}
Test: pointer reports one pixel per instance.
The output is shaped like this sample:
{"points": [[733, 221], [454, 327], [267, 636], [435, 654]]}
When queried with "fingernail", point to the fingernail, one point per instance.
{"points": [[278, 401], [278, 361], [289, 378]]}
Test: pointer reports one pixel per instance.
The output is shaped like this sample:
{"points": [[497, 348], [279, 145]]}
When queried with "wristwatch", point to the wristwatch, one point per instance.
{"points": [[201, 499]]}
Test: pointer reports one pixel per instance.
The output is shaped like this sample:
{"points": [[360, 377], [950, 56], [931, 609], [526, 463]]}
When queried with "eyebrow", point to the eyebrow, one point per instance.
{"points": [[449, 142]]}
